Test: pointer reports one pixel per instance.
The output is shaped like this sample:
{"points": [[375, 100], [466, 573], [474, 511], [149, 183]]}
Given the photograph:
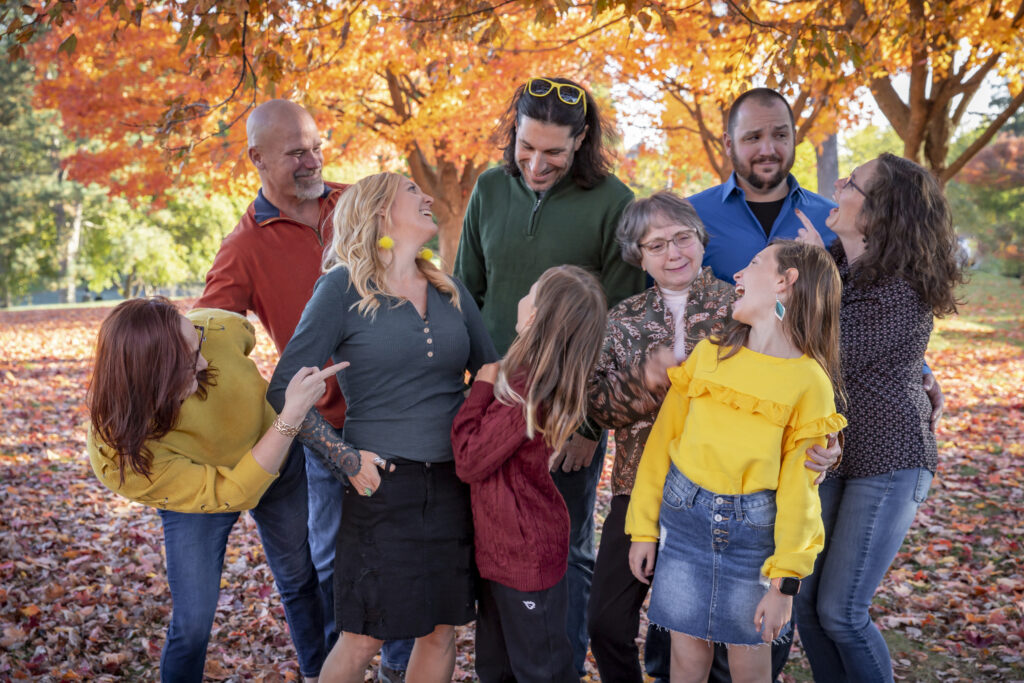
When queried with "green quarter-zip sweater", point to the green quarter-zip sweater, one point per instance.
{"points": [[510, 235]]}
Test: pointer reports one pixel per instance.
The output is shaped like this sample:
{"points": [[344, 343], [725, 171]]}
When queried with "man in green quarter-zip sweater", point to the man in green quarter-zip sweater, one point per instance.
{"points": [[553, 202]]}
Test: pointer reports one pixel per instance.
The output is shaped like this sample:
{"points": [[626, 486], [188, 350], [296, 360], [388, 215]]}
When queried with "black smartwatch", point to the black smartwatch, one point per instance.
{"points": [[789, 586]]}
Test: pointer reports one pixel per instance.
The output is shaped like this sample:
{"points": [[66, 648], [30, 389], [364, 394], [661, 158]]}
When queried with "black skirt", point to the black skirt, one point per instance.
{"points": [[404, 561]]}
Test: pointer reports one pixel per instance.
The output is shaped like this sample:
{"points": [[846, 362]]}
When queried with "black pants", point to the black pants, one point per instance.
{"points": [[520, 636], [614, 616], [614, 611]]}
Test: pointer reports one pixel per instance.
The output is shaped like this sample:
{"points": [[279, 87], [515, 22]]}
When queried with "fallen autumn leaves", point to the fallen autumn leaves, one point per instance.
{"points": [[84, 595]]}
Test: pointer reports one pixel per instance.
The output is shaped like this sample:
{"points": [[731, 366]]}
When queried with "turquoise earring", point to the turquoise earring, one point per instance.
{"points": [[780, 310]]}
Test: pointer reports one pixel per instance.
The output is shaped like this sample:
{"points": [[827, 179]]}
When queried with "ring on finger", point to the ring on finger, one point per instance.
{"points": [[367, 491], [380, 462]]}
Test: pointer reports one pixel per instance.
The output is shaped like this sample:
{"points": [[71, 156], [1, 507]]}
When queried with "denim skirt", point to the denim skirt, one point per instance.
{"points": [[707, 578], [404, 559]]}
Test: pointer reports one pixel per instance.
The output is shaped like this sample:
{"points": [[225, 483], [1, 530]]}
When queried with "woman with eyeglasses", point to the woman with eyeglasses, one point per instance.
{"points": [[404, 561], [896, 252], [646, 335], [180, 422]]}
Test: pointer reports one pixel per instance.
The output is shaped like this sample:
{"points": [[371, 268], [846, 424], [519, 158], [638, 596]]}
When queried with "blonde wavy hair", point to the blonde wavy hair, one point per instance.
{"points": [[556, 354], [358, 225]]}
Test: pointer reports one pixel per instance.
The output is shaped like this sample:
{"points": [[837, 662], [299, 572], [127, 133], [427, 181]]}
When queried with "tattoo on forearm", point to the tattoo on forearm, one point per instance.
{"points": [[340, 458]]}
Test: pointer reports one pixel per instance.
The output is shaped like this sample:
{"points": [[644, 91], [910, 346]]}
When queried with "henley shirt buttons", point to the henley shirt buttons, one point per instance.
{"points": [[429, 340], [426, 329], [430, 354]]}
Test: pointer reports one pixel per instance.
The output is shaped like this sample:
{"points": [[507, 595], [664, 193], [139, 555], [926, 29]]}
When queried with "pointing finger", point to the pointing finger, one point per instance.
{"points": [[332, 370]]}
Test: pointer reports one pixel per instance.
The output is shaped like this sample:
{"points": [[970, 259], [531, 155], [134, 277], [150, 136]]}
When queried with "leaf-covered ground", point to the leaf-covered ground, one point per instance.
{"points": [[83, 594]]}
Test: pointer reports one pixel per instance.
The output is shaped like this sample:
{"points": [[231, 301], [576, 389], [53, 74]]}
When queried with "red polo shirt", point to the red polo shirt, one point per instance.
{"points": [[268, 265]]}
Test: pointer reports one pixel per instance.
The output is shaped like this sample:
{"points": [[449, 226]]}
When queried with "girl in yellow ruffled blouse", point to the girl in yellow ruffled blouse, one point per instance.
{"points": [[721, 486]]}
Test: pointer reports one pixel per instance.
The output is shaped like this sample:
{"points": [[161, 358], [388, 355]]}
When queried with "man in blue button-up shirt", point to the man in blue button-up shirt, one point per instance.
{"points": [[761, 199]]}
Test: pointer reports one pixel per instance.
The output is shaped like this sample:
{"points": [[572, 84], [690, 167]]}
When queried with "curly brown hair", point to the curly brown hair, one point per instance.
{"points": [[592, 163], [908, 233]]}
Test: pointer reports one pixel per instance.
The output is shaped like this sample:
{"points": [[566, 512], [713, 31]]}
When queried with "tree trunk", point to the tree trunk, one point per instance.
{"points": [[69, 254], [450, 189], [67, 222], [828, 165]]}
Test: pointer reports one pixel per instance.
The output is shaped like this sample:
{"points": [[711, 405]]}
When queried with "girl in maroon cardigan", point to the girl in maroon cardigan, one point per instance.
{"points": [[520, 412]]}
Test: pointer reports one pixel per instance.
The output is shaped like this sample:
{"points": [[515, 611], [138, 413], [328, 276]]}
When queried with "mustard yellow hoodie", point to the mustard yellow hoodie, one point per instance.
{"points": [[205, 463]]}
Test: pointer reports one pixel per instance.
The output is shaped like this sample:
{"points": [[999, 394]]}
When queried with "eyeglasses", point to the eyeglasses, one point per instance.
{"points": [[202, 337], [682, 240], [567, 92], [849, 183]]}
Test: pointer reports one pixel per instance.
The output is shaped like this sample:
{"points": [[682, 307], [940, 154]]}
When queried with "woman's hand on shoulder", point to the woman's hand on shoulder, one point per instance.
{"points": [[641, 560], [808, 233], [488, 373], [304, 390]]}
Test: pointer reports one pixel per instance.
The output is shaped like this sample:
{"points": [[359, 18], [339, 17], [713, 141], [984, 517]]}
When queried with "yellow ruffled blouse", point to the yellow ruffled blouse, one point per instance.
{"points": [[739, 426]]}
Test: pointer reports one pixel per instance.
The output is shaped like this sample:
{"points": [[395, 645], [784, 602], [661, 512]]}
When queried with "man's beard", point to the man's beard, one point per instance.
{"points": [[757, 181], [309, 187]]}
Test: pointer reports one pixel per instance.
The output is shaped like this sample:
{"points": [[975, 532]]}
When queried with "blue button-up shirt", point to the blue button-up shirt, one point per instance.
{"points": [[735, 235]]}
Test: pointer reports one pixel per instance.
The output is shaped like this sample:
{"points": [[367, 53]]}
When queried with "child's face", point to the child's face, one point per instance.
{"points": [[757, 286], [526, 310]]}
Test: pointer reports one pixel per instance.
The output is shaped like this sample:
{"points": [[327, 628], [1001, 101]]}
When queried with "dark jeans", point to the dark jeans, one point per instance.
{"points": [[579, 489], [614, 611], [520, 636], [325, 497], [195, 545]]}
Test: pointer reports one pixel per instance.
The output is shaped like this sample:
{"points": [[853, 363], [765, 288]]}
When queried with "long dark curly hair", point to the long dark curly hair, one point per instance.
{"points": [[591, 163], [908, 234]]}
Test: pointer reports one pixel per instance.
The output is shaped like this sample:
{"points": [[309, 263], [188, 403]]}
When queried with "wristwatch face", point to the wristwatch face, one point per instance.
{"points": [[789, 586]]}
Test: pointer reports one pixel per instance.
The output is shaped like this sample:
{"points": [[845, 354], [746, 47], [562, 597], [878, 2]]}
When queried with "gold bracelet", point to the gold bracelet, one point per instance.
{"points": [[285, 429]]}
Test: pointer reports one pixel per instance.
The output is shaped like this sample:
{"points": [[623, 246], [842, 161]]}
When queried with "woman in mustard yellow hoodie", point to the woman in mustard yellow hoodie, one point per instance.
{"points": [[179, 422]]}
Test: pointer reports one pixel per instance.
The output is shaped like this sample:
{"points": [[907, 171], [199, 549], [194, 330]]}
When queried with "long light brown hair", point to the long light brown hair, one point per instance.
{"points": [[358, 225], [143, 370], [812, 309], [557, 354], [908, 231]]}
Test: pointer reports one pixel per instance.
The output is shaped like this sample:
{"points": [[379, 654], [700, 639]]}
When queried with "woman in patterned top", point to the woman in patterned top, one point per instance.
{"points": [[646, 335], [896, 255]]}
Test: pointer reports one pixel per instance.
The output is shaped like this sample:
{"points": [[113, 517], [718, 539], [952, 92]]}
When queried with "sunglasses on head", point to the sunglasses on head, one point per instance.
{"points": [[568, 93]]}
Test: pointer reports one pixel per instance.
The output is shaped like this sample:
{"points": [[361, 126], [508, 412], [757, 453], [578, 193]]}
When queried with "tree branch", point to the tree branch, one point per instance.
{"points": [[983, 139]]}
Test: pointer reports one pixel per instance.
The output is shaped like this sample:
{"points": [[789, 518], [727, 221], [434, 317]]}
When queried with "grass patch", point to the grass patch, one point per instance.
{"points": [[992, 312]]}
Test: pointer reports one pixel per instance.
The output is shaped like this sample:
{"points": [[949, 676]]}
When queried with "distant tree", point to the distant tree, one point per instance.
{"points": [[138, 247], [27, 240]]}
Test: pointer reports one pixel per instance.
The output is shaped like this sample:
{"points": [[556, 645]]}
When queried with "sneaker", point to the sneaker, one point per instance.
{"points": [[387, 675]]}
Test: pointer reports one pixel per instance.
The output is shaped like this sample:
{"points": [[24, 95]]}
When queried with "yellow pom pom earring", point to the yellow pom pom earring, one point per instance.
{"points": [[425, 254], [386, 242]]}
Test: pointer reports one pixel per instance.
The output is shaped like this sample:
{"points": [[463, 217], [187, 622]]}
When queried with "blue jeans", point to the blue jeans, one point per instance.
{"points": [[325, 497], [866, 521], [195, 543], [579, 489]]}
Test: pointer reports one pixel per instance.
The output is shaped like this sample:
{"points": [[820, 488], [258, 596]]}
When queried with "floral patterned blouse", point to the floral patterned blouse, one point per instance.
{"points": [[619, 399]]}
